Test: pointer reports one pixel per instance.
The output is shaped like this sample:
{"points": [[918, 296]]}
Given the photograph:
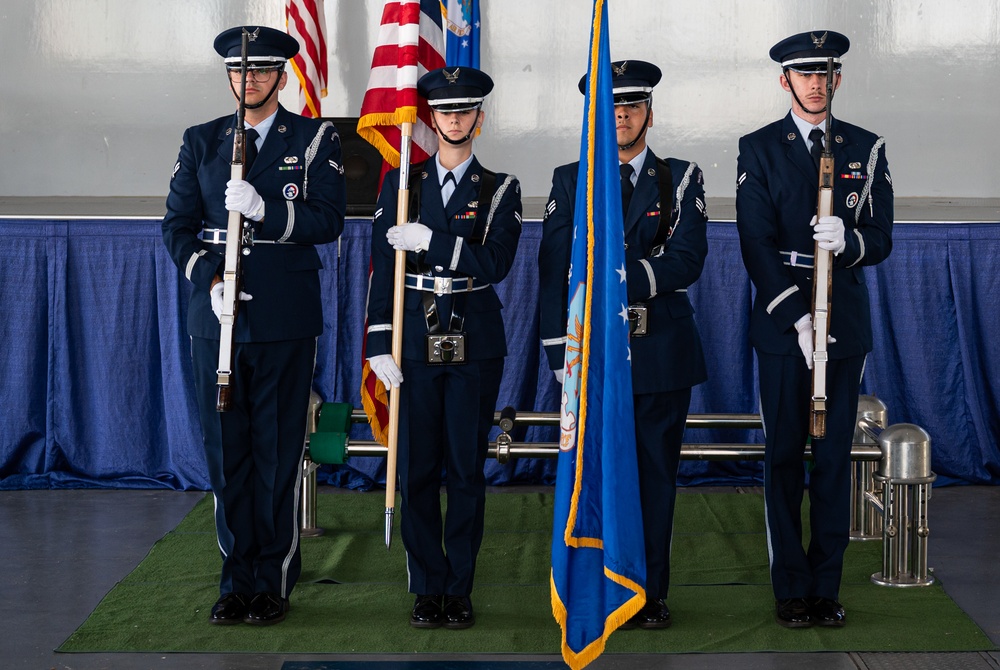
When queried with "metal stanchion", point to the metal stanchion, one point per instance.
{"points": [[905, 475], [866, 491], [307, 527]]}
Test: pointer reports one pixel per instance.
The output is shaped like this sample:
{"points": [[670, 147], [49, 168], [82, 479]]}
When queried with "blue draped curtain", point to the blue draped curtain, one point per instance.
{"points": [[95, 372]]}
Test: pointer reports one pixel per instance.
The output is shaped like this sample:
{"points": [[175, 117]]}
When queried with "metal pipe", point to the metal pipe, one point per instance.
{"points": [[705, 452]]}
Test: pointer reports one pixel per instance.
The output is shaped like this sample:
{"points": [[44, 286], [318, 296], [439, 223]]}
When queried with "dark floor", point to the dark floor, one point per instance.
{"points": [[62, 551]]}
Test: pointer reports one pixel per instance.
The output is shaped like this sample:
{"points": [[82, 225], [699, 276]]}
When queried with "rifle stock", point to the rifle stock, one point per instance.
{"points": [[232, 276], [822, 278]]}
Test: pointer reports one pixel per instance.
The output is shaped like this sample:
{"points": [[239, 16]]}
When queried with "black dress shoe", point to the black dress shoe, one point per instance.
{"points": [[458, 612], [427, 612], [229, 609], [827, 612], [792, 613], [266, 609], [654, 614]]}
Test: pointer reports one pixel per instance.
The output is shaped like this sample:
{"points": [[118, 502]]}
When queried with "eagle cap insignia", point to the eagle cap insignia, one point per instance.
{"points": [[818, 41], [452, 77], [252, 37], [620, 70]]}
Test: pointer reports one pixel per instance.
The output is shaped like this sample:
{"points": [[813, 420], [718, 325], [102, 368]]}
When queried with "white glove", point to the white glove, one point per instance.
{"points": [[560, 375], [409, 237], [829, 233], [804, 326], [216, 294], [386, 370], [242, 197]]}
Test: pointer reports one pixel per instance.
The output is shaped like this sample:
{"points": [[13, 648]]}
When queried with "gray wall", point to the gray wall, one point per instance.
{"points": [[95, 94]]}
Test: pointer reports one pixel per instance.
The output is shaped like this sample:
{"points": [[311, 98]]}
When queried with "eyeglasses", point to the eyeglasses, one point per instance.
{"points": [[258, 74]]}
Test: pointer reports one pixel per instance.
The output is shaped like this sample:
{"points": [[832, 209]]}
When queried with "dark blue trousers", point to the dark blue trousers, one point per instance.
{"points": [[659, 432], [784, 397], [254, 453], [446, 413]]}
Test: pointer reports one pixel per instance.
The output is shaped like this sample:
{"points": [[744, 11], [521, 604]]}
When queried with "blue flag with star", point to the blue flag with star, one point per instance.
{"points": [[462, 28], [598, 558]]}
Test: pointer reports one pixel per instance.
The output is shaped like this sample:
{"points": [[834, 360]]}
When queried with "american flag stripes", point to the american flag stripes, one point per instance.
{"points": [[410, 43], [305, 21]]}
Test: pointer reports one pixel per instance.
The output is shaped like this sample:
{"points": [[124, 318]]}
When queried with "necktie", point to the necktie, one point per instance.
{"points": [[816, 137], [250, 142], [448, 187], [627, 187]]}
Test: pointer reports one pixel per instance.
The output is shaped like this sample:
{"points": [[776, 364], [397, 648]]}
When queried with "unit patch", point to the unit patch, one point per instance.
{"points": [[852, 200], [290, 191]]}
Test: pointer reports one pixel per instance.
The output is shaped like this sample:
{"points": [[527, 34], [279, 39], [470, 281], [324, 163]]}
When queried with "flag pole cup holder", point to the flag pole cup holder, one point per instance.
{"points": [[905, 476], [327, 428], [866, 491]]}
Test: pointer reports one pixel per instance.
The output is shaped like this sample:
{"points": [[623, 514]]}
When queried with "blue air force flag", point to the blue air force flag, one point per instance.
{"points": [[598, 559], [462, 33]]}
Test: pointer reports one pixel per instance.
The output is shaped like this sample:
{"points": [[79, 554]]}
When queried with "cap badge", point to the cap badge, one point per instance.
{"points": [[452, 77], [252, 37], [620, 70], [818, 41]]}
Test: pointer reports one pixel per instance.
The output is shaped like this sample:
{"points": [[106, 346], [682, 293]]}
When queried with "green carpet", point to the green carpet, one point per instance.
{"points": [[352, 596]]}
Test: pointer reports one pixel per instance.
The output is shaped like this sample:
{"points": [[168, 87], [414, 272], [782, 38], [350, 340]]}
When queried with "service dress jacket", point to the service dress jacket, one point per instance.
{"points": [[670, 357], [299, 174], [450, 255], [776, 197]]}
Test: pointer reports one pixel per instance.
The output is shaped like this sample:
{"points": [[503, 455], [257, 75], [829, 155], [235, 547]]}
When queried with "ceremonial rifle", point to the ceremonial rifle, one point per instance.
{"points": [[822, 277], [238, 240]]}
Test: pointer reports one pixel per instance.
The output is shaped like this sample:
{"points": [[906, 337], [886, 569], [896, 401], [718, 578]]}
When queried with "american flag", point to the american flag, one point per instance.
{"points": [[305, 21], [410, 43]]}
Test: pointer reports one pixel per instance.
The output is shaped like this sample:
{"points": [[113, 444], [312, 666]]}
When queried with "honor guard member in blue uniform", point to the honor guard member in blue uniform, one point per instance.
{"points": [[466, 222], [776, 201], [665, 246], [294, 195]]}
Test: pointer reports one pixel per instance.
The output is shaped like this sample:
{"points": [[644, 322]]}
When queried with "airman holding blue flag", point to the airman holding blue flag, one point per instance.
{"points": [[663, 204]]}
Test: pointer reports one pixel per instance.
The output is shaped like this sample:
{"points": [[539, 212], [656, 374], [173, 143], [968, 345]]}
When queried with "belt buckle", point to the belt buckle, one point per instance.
{"points": [[442, 285]]}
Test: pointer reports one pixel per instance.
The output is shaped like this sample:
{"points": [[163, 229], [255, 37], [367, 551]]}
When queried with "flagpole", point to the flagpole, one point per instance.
{"points": [[398, 286]]}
